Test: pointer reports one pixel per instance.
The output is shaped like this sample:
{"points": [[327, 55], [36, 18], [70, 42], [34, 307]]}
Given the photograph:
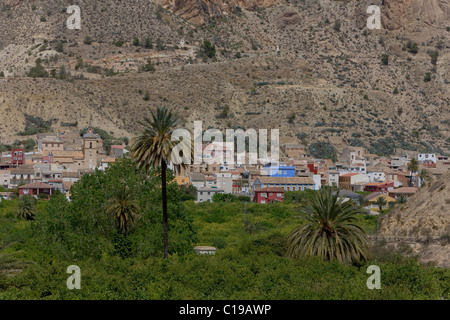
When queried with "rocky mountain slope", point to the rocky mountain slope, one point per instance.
{"points": [[327, 81], [423, 223]]}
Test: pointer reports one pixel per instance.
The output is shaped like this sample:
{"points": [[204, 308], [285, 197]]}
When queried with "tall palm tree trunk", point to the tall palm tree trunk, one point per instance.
{"points": [[164, 201]]}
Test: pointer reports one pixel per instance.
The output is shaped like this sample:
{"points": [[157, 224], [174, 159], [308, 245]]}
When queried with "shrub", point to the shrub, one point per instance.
{"points": [[385, 59], [38, 71], [159, 45], [149, 67], [337, 26], [119, 43], [59, 47], [87, 40], [291, 118], [208, 49], [412, 47], [434, 56], [148, 44], [427, 77]]}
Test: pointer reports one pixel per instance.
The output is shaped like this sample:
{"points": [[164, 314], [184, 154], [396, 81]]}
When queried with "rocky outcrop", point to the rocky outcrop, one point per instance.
{"points": [[400, 13], [423, 223], [287, 19], [201, 11]]}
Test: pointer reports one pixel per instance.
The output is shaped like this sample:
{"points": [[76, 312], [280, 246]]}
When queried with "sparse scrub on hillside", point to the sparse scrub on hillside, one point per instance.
{"points": [[412, 47], [434, 56], [148, 43], [87, 40], [385, 59], [34, 124], [38, 71], [148, 67], [323, 150], [207, 50]]}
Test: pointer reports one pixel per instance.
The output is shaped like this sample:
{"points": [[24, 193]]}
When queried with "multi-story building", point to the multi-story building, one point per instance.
{"points": [[17, 157], [269, 195]]}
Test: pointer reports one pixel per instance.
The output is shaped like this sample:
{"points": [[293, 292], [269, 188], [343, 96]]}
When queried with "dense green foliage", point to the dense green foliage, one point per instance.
{"points": [[38, 71], [323, 150], [207, 49], [34, 124], [250, 262]]}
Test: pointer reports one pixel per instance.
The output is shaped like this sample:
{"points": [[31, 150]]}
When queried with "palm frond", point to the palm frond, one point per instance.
{"points": [[330, 231]]}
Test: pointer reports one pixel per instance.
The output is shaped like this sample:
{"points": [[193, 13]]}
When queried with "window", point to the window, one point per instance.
{"points": [[90, 145], [264, 195], [201, 193], [279, 195], [263, 201]]}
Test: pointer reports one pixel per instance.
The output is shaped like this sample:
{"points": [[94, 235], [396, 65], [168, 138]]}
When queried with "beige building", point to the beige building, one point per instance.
{"points": [[353, 154]]}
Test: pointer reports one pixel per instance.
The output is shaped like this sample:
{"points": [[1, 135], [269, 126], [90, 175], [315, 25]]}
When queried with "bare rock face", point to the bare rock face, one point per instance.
{"points": [[400, 13], [10, 3], [200, 11], [287, 19], [423, 222]]}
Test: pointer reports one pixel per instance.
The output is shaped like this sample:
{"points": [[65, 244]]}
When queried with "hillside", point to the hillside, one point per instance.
{"points": [[329, 71], [425, 218]]}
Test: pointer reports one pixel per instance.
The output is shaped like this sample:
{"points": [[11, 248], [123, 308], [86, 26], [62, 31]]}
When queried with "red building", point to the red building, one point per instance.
{"points": [[312, 167], [17, 157], [36, 188], [269, 195], [382, 187]]}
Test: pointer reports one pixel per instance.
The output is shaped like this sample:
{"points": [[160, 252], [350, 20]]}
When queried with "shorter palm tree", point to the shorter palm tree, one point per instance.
{"points": [[330, 231], [26, 208], [402, 199], [124, 207], [413, 166], [381, 203]]}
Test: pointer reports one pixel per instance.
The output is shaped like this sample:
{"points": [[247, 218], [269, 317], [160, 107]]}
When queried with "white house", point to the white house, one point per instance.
{"points": [[422, 157]]}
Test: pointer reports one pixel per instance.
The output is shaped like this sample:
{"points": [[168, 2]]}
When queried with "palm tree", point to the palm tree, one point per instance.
{"points": [[413, 166], [124, 207], [424, 176], [153, 149], [380, 203], [402, 199], [330, 231], [25, 208]]}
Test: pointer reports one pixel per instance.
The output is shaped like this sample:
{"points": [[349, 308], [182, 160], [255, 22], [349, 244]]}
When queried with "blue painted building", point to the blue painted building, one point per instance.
{"points": [[280, 171]]}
